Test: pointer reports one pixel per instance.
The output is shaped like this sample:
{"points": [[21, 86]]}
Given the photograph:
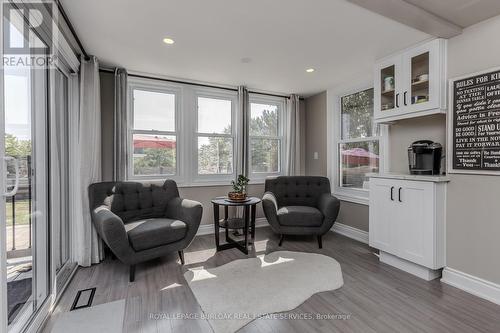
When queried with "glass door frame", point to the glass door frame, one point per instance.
{"points": [[39, 300], [71, 104], [41, 291], [3, 225]]}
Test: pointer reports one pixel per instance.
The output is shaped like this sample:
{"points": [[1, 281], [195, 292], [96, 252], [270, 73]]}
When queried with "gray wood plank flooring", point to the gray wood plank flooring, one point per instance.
{"points": [[375, 297]]}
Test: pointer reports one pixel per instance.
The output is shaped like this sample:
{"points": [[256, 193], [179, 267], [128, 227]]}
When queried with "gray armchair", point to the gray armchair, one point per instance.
{"points": [[142, 222], [300, 205]]}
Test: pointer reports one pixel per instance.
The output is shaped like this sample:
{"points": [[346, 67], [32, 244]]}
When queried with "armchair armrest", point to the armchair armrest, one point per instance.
{"points": [[112, 230], [270, 206], [188, 211], [329, 206]]}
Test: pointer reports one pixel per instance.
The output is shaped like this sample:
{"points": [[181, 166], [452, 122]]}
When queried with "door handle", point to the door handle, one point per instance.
{"points": [[13, 192], [399, 194], [404, 98], [392, 193], [397, 100]]}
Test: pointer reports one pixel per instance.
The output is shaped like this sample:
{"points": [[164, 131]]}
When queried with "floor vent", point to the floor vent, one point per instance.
{"points": [[83, 299]]}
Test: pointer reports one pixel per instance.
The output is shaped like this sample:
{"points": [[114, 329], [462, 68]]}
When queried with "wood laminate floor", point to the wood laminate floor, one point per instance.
{"points": [[375, 297]]}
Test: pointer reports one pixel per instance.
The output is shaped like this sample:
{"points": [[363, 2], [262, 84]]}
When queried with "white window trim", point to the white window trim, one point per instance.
{"points": [[260, 177], [186, 118], [334, 125], [222, 95], [160, 87]]}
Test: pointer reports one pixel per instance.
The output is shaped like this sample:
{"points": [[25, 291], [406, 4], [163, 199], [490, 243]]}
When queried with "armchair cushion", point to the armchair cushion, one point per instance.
{"points": [[300, 216], [150, 233], [133, 201]]}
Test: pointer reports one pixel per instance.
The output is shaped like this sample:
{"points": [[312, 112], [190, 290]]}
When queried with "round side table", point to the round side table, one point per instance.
{"points": [[246, 222]]}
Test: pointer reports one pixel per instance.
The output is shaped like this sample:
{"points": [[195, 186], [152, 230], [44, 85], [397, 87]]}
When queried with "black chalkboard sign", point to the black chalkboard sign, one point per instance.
{"points": [[475, 130]]}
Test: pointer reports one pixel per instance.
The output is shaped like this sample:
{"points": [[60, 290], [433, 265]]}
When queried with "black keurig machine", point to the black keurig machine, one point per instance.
{"points": [[424, 157]]}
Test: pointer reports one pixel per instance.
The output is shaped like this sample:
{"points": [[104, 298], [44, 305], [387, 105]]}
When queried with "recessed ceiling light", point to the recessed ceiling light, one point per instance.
{"points": [[168, 41], [310, 70]]}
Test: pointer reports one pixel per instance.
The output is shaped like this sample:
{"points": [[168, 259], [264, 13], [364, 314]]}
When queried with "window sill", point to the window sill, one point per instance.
{"points": [[351, 197]]}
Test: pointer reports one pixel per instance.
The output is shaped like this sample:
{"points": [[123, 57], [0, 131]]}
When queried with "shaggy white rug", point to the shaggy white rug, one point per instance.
{"points": [[234, 294]]}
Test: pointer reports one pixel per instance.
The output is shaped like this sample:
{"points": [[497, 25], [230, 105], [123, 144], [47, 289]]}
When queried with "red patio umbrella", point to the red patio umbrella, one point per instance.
{"points": [[147, 141]]}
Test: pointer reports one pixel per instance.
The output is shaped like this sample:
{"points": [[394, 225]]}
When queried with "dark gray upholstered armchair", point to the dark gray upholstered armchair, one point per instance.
{"points": [[300, 205], [142, 222]]}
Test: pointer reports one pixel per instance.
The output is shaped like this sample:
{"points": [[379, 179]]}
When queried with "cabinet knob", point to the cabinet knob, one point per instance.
{"points": [[397, 100], [404, 98], [392, 193], [399, 194]]}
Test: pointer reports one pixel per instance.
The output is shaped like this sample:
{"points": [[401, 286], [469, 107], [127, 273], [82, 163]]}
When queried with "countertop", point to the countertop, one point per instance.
{"points": [[402, 176]]}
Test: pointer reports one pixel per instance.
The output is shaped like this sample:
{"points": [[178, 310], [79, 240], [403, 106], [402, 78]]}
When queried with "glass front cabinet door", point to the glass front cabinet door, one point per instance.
{"points": [[388, 85], [411, 83]]}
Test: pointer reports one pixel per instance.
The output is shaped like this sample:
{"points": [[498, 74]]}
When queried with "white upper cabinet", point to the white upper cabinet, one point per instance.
{"points": [[411, 83]]}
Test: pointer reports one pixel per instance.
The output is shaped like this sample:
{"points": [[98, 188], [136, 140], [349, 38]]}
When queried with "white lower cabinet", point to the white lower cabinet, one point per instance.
{"points": [[407, 224]]}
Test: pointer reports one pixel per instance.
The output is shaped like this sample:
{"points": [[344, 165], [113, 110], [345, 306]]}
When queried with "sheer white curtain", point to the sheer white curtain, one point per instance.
{"points": [[292, 157], [87, 247]]}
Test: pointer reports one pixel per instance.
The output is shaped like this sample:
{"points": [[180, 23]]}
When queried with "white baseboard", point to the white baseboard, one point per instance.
{"points": [[343, 229], [472, 284], [208, 229], [420, 271], [351, 232]]}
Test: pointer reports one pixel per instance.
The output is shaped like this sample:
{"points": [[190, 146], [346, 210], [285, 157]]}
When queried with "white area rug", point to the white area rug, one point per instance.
{"points": [[107, 317], [234, 294]]}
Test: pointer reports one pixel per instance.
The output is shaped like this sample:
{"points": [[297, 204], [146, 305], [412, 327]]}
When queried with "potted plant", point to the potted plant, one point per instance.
{"points": [[239, 188]]}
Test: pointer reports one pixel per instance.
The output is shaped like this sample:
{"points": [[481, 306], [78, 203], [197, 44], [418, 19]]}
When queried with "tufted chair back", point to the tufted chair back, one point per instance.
{"points": [[133, 201], [298, 190]]}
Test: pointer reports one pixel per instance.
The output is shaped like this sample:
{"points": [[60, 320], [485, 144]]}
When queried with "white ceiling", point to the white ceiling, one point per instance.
{"points": [[281, 37], [460, 12]]}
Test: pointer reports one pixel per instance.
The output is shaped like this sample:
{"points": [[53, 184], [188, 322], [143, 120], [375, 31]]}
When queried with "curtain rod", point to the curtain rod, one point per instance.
{"points": [[72, 29], [195, 84]]}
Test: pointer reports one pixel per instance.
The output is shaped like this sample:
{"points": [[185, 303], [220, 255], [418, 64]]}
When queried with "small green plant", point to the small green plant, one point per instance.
{"points": [[240, 184]]}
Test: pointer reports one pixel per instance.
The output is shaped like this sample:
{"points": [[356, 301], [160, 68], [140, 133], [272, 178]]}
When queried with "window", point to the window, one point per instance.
{"points": [[181, 132], [265, 137], [154, 136], [215, 136], [357, 146]]}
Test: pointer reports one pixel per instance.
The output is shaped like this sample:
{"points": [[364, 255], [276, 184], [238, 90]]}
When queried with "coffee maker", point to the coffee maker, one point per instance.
{"points": [[424, 157]]}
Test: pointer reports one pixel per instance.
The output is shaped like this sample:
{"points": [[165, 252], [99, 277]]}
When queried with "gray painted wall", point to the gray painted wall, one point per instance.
{"points": [[107, 118], [472, 224], [404, 132], [351, 214], [315, 127], [354, 215]]}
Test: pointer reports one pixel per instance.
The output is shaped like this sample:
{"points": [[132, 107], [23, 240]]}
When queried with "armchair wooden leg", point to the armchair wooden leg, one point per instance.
{"points": [[320, 242], [281, 239], [132, 273], [181, 256]]}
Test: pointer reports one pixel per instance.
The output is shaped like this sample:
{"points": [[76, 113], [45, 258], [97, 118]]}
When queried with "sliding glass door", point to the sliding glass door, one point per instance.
{"points": [[40, 89], [25, 193]]}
